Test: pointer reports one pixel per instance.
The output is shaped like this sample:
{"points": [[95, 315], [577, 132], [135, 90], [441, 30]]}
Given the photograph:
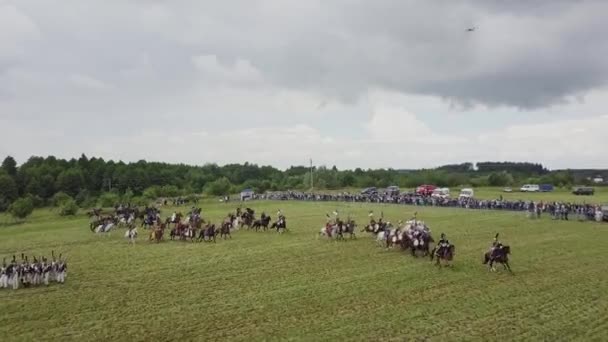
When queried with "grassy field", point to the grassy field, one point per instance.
{"points": [[264, 286]]}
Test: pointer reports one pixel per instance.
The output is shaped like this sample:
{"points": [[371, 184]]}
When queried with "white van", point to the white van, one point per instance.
{"points": [[466, 193], [530, 188], [441, 193]]}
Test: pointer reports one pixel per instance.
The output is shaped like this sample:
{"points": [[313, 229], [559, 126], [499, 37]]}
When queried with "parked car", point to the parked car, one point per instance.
{"points": [[441, 193], [507, 189], [583, 190], [466, 193], [425, 190], [546, 187], [392, 190], [530, 188], [369, 191]]}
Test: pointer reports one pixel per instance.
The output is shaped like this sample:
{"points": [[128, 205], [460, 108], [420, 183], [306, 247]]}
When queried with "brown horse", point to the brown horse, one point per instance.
{"points": [[500, 256], [157, 233], [446, 254], [247, 220]]}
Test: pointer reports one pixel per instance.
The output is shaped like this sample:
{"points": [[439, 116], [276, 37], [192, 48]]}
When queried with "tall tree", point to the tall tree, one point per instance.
{"points": [[70, 181], [9, 165], [8, 191]]}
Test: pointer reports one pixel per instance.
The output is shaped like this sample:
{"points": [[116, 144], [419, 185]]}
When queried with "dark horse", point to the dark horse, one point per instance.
{"points": [[446, 254], [208, 233], [225, 230], [349, 227], [280, 225], [261, 223], [500, 256], [420, 244]]}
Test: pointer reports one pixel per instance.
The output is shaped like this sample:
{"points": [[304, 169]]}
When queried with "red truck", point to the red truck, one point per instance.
{"points": [[425, 190]]}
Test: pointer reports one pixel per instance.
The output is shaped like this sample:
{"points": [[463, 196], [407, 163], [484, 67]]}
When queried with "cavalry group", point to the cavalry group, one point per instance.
{"points": [[190, 227], [413, 235], [32, 272]]}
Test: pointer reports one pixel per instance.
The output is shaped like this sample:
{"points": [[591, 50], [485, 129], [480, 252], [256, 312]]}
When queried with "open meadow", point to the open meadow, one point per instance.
{"points": [[266, 286]]}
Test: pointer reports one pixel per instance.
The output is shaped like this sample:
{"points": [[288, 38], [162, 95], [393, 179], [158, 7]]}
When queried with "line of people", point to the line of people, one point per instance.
{"points": [[38, 271]]}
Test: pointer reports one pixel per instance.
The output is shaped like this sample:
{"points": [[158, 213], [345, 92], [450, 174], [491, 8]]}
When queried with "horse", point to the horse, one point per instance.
{"points": [[261, 223], [105, 227], [417, 244], [157, 233], [208, 233], [131, 234], [225, 230], [246, 219], [331, 231], [500, 256], [446, 254], [280, 225], [349, 228]]}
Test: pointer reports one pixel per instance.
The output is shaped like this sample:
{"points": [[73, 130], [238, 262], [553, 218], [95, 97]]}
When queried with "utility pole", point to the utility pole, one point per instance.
{"points": [[311, 176]]}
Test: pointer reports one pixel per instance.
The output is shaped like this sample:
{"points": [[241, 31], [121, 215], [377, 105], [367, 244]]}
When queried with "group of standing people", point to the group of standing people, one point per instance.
{"points": [[34, 272]]}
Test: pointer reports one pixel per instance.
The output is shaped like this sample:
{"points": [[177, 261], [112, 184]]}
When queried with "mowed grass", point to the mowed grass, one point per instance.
{"points": [[265, 286]]}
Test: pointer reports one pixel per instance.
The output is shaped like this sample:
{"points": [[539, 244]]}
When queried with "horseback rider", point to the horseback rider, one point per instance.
{"points": [[496, 247], [442, 244]]}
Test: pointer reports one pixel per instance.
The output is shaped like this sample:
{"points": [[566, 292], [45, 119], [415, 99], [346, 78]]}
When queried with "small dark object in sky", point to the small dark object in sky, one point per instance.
{"points": [[471, 29]]}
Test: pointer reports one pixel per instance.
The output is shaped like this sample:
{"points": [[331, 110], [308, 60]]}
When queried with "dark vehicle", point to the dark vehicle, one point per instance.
{"points": [[546, 187], [369, 191], [392, 190], [583, 190]]}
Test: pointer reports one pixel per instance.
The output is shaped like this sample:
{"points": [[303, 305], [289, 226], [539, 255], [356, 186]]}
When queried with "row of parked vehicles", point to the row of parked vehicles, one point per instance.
{"points": [[577, 190], [434, 191], [422, 190]]}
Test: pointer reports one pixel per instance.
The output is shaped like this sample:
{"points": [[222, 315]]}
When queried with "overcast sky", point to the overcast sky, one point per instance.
{"points": [[351, 83]]}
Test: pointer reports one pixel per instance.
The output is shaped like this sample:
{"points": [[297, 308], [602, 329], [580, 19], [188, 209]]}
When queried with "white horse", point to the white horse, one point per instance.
{"points": [[131, 234], [104, 228], [236, 223]]}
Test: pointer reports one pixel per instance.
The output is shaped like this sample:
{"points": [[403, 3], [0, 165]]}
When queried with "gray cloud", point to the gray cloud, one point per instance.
{"points": [[524, 54], [75, 74]]}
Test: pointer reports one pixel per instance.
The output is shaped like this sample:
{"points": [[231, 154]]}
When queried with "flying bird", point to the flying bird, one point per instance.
{"points": [[471, 29]]}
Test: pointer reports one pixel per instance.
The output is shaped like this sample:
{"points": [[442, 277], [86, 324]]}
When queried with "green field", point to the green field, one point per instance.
{"points": [[264, 286]]}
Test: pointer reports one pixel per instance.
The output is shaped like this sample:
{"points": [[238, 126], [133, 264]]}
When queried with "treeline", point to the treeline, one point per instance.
{"points": [[95, 181]]}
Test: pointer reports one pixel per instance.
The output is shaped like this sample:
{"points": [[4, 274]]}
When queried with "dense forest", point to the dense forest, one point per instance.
{"points": [[93, 181]]}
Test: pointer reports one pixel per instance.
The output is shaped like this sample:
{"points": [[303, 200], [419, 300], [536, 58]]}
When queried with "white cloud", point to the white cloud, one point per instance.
{"points": [[84, 81]]}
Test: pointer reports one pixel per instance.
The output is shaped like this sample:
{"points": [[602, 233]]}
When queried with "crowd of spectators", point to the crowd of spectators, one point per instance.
{"points": [[534, 209]]}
